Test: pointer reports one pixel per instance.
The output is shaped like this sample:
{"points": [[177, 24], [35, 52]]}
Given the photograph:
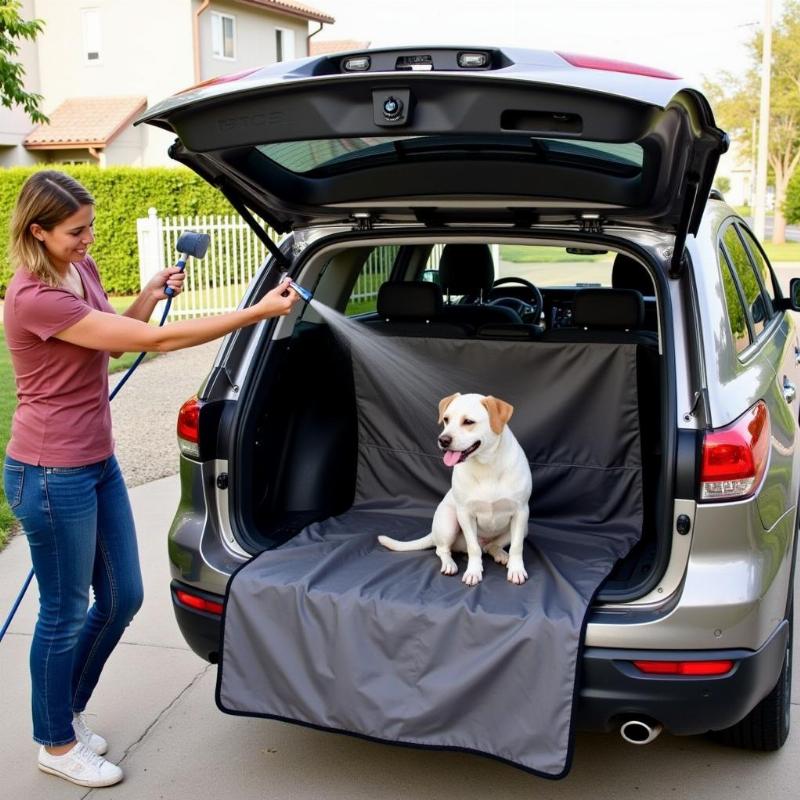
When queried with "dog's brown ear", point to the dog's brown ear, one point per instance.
{"points": [[499, 412], [444, 402]]}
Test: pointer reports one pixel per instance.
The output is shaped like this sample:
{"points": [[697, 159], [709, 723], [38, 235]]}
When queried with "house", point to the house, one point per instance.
{"points": [[324, 47], [98, 63]]}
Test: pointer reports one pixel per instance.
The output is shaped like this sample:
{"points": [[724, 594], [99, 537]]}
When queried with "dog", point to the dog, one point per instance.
{"points": [[487, 505]]}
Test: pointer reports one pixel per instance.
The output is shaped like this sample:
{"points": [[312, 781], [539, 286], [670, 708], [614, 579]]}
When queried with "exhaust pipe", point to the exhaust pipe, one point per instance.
{"points": [[639, 731]]}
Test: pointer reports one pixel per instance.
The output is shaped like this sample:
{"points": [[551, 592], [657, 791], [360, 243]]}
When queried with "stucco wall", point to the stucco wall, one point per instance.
{"points": [[126, 149], [146, 49], [255, 38], [16, 156]]}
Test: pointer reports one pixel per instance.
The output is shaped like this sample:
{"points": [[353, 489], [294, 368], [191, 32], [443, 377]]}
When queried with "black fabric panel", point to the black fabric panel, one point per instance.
{"points": [[409, 300], [334, 631], [609, 308], [574, 405], [466, 269]]}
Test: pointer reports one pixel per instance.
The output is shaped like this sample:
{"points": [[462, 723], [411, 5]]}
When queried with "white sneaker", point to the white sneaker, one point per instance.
{"points": [[83, 733], [80, 765]]}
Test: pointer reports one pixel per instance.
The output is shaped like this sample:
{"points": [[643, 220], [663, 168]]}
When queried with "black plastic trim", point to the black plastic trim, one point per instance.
{"points": [[613, 690], [200, 629], [687, 463]]}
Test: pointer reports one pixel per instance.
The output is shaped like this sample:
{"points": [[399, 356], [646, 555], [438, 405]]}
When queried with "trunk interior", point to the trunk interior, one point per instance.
{"points": [[298, 447]]}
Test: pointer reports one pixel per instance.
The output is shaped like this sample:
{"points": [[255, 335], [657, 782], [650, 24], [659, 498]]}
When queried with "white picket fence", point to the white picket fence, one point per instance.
{"points": [[217, 282]]}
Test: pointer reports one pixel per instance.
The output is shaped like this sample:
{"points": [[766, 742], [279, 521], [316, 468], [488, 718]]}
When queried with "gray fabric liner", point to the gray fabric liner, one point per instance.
{"points": [[334, 631]]}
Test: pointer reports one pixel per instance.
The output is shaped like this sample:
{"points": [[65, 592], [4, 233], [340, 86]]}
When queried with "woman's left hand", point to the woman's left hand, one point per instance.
{"points": [[171, 276]]}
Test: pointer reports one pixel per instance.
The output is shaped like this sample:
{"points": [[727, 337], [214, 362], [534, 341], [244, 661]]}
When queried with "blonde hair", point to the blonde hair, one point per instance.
{"points": [[46, 198]]}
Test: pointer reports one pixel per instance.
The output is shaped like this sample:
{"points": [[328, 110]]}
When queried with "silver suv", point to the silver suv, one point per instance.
{"points": [[526, 197]]}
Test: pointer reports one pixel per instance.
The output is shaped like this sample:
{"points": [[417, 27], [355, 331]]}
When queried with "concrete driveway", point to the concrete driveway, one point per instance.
{"points": [[155, 704]]}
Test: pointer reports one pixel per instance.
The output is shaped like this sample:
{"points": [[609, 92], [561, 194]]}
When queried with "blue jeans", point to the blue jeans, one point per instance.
{"points": [[79, 527]]}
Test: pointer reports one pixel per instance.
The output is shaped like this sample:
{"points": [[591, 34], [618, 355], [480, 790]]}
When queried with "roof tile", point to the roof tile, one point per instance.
{"points": [[322, 48], [85, 121], [295, 9]]}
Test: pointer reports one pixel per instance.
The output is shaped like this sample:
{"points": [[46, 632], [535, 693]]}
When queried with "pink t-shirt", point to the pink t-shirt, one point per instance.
{"points": [[63, 418]]}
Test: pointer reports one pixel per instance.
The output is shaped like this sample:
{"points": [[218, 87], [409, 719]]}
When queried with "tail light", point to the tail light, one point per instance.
{"points": [[735, 457], [189, 428], [612, 65], [685, 668], [219, 79], [198, 603]]}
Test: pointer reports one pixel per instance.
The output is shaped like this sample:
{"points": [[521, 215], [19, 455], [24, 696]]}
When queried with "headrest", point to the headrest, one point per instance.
{"points": [[628, 273], [622, 309], [409, 300], [466, 269]]}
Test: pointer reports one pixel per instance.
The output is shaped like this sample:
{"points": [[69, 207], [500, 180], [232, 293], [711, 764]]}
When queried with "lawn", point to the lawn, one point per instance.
{"points": [[8, 401], [526, 254], [783, 252]]}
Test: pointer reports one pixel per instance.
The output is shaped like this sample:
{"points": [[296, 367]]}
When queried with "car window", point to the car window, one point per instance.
{"points": [[748, 282], [319, 157], [762, 265], [541, 265], [733, 300], [375, 271]]}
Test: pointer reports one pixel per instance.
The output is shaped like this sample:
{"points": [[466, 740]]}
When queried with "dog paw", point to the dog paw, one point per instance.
{"points": [[474, 574], [449, 567], [500, 556], [516, 571]]}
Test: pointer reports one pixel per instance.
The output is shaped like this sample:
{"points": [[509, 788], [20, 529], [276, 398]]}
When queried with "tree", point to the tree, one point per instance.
{"points": [[12, 89], [722, 183], [792, 205], [736, 100]]}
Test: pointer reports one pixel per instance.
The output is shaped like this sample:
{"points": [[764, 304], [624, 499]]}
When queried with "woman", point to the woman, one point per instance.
{"points": [[61, 477]]}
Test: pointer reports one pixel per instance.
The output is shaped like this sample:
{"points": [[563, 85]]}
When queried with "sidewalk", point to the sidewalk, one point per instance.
{"points": [[155, 704]]}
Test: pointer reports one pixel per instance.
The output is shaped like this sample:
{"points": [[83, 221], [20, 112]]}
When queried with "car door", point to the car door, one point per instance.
{"points": [[444, 135], [775, 355]]}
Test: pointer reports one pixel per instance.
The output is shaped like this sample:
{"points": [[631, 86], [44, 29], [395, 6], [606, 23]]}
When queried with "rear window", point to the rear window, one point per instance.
{"points": [[764, 270], [326, 156], [746, 278], [736, 316], [542, 265]]}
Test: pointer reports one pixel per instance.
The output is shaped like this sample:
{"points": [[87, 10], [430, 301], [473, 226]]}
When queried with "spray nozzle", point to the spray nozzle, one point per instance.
{"points": [[189, 243], [304, 293]]}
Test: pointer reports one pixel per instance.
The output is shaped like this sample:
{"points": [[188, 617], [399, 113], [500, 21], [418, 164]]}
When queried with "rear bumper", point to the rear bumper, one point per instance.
{"points": [[611, 688]]}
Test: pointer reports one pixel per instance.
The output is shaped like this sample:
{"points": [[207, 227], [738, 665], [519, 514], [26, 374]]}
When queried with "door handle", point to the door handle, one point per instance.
{"points": [[789, 390]]}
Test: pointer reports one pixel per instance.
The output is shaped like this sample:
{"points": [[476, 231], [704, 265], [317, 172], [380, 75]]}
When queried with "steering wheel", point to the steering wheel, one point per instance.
{"points": [[531, 310]]}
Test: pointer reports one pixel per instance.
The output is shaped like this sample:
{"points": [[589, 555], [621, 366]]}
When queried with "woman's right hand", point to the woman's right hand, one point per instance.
{"points": [[274, 303]]}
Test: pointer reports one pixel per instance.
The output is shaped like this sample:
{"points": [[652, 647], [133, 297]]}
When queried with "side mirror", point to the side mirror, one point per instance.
{"points": [[431, 276], [792, 302], [794, 294]]}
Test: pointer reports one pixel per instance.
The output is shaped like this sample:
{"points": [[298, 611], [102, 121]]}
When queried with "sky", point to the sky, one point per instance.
{"points": [[695, 39]]}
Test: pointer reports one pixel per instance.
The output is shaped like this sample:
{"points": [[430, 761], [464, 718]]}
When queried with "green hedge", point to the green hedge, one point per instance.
{"points": [[122, 195], [791, 206]]}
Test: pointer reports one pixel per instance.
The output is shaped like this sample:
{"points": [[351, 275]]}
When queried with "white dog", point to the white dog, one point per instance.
{"points": [[487, 506]]}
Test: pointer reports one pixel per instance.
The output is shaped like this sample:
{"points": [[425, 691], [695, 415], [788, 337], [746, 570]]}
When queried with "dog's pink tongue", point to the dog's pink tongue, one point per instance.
{"points": [[451, 457]]}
